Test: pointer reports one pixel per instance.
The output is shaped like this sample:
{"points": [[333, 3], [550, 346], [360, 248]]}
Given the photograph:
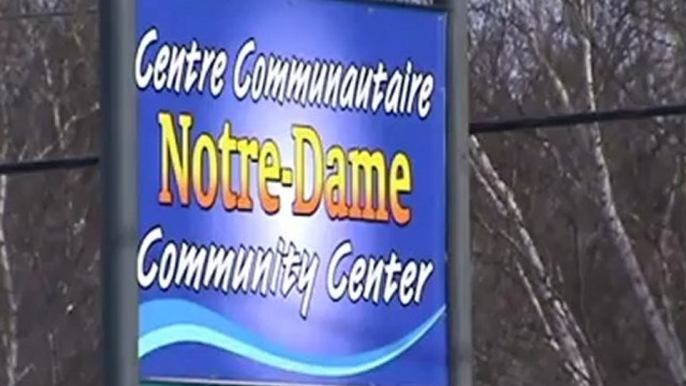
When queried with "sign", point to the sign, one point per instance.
{"points": [[291, 192]]}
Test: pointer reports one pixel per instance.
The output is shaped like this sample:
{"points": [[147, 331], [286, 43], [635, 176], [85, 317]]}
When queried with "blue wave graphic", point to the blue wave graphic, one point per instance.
{"points": [[172, 321]]}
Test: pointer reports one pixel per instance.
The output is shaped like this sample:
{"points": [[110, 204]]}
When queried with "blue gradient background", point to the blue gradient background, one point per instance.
{"points": [[346, 32]]}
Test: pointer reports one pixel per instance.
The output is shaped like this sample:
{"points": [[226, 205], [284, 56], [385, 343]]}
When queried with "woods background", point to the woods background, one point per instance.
{"points": [[579, 233]]}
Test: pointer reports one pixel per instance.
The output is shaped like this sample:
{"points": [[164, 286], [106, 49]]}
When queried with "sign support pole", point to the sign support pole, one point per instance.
{"points": [[459, 240], [119, 193]]}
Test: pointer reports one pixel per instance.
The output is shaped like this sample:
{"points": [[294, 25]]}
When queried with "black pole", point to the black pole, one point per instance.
{"points": [[577, 118], [36, 166], [120, 205]]}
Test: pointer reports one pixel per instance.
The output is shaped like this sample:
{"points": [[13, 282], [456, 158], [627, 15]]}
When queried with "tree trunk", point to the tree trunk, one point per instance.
{"points": [[9, 316], [563, 331], [668, 343]]}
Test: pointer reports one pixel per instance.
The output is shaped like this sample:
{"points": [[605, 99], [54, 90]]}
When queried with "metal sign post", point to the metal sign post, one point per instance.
{"points": [[459, 240], [119, 200]]}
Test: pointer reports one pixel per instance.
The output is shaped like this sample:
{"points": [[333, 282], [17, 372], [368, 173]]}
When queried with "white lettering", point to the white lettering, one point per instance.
{"points": [[244, 269], [143, 78], [336, 291], [145, 280], [331, 84], [371, 278], [241, 89], [178, 68]]}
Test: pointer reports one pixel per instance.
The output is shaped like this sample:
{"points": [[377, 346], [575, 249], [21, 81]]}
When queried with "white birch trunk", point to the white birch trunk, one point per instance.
{"points": [[9, 315], [668, 343], [564, 334]]}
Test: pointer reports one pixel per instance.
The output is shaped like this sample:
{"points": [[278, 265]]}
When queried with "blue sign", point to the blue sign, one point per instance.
{"points": [[292, 192]]}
